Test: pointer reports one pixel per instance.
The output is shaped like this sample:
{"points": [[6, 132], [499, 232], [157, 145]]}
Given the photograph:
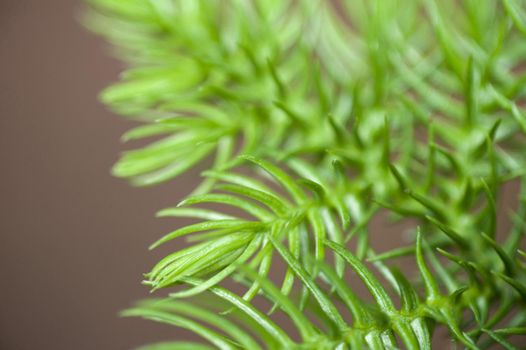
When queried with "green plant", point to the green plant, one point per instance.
{"points": [[317, 116]]}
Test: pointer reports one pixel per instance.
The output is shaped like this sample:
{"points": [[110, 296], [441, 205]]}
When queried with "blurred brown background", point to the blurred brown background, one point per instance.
{"points": [[73, 240]]}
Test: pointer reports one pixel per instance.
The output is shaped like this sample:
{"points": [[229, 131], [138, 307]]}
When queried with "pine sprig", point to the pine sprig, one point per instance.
{"points": [[318, 115]]}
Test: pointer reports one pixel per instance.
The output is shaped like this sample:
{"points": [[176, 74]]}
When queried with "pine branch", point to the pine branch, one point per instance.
{"points": [[318, 115]]}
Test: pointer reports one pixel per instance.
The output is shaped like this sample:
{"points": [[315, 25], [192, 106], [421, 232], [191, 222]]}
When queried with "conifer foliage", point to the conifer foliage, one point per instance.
{"points": [[311, 118]]}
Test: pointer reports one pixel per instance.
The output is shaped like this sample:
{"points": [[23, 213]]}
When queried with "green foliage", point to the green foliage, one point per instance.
{"points": [[316, 116]]}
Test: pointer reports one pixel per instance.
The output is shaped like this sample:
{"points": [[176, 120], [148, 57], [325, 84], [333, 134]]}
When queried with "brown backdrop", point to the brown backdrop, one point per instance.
{"points": [[73, 240]]}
